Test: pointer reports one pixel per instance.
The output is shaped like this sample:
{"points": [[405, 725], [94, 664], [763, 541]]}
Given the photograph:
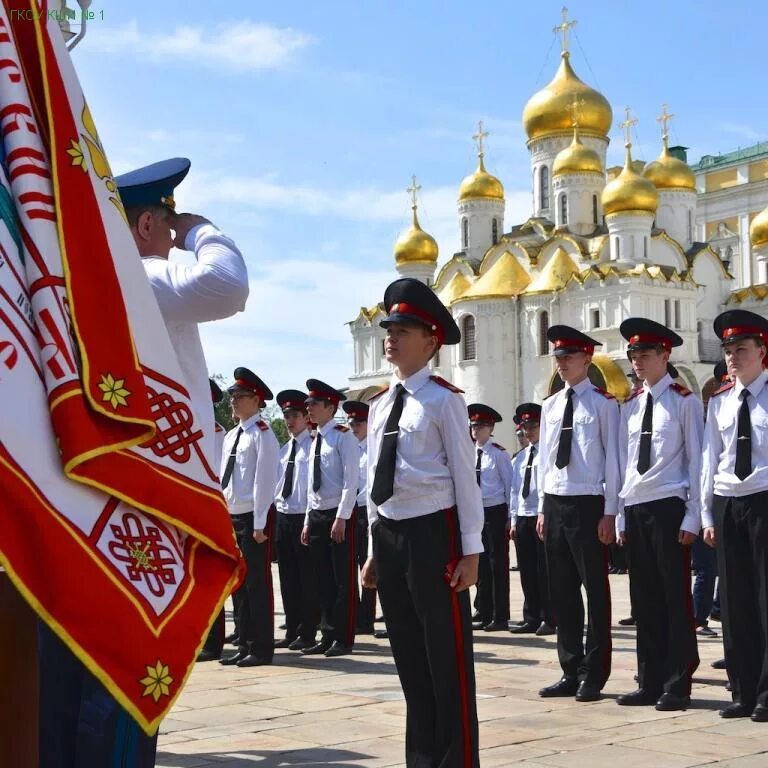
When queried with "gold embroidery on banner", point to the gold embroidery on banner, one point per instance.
{"points": [[157, 681], [114, 391]]}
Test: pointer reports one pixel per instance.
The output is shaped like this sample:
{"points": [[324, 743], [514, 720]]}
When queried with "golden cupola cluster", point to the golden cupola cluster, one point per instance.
{"points": [[758, 229], [415, 246], [576, 158], [668, 171], [481, 184]]}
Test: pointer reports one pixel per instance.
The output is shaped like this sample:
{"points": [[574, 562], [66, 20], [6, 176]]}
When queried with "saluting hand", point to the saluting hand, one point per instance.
{"points": [[181, 223], [368, 574]]}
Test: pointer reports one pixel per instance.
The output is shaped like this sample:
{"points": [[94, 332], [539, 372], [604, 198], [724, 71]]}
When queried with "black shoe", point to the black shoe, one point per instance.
{"points": [[728, 686], [205, 655], [628, 622], [381, 634], [338, 649], [566, 686], [282, 626], [668, 702], [737, 709], [587, 692], [638, 698], [367, 629], [479, 624], [299, 644], [496, 626], [380, 619], [611, 570], [230, 661], [715, 616], [317, 648], [285, 642], [545, 629], [719, 664], [251, 660], [525, 629], [232, 639], [760, 714]]}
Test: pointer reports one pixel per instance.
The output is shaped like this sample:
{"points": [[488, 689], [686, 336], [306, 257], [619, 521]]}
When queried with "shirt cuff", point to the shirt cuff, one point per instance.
{"points": [[707, 519], [190, 241], [691, 522], [471, 543]]}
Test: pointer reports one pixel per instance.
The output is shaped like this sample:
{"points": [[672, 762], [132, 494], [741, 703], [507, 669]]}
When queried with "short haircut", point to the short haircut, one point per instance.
{"points": [[133, 212]]}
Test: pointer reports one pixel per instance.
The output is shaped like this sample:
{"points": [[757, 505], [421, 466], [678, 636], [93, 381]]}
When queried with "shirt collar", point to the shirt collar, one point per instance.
{"points": [[327, 427], [755, 387], [413, 383], [249, 422], [302, 436], [581, 387], [659, 387], [488, 443], [363, 443]]}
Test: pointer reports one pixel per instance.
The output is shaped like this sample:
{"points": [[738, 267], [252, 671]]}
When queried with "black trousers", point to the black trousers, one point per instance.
{"points": [[214, 643], [366, 606], [575, 556], [492, 601], [335, 568], [741, 532], [532, 563], [662, 603], [430, 631], [298, 586], [254, 599]]}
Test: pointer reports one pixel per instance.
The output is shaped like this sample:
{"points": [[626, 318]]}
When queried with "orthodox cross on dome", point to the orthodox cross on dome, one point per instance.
{"points": [[627, 125], [413, 191], [479, 137], [563, 28], [664, 118], [575, 109]]}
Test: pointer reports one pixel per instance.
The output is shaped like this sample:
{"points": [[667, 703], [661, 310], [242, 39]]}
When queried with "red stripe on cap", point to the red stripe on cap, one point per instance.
{"points": [[739, 330], [247, 385], [583, 346], [409, 309], [529, 417], [651, 338], [482, 416]]}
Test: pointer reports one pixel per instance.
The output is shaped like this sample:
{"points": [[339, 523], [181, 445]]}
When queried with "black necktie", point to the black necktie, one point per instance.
{"points": [[744, 439], [384, 477], [477, 465], [646, 433], [316, 465], [566, 433], [288, 482], [527, 475], [230, 468]]}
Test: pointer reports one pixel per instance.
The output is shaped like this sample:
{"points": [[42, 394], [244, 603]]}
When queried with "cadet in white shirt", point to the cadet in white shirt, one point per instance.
{"points": [[298, 586], [249, 467], [734, 494], [493, 470], [578, 461], [426, 517], [523, 512], [329, 524], [660, 438]]}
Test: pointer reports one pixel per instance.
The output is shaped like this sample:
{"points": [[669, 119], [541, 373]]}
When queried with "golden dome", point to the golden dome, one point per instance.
{"points": [[576, 158], [455, 288], [758, 229], [558, 270], [629, 191], [481, 184], [504, 279], [415, 246], [669, 172], [549, 111]]}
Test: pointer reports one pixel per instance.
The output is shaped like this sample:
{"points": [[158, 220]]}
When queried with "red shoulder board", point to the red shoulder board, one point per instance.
{"points": [[218, 427], [681, 390], [604, 393], [378, 394], [447, 384], [635, 392], [262, 425], [724, 388], [500, 447], [341, 428]]}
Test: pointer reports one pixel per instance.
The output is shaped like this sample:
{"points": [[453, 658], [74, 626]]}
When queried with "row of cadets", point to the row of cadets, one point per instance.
{"points": [[298, 586], [249, 473], [426, 516], [660, 438], [523, 511], [329, 525], [493, 471], [579, 468], [734, 492]]}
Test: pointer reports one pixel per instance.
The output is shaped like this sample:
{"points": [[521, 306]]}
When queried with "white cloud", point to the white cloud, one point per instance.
{"points": [[239, 46], [739, 129]]}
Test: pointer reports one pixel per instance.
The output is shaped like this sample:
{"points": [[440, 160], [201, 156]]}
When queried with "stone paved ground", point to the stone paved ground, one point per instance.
{"points": [[309, 711]]}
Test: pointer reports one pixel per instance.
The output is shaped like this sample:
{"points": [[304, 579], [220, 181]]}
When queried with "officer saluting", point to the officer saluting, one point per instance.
{"points": [[578, 459], [735, 499], [493, 470], [660, 450]]}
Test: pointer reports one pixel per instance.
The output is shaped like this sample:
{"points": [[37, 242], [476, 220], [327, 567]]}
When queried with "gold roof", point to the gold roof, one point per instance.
{"points": [[556, 273], [629, 191], [759, 292], [758, 229], [481, 184], [455, 288], [669, 172], [576, 158], [616, 381], [416, 246], [504, 279], [548, 111]]}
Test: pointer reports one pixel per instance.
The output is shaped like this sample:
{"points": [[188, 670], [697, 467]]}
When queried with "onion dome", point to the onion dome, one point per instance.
{"points": [[416, 246], [758, 229], [669, 172], [629, 191], [481, 184], [576, 158], [548, 111]]}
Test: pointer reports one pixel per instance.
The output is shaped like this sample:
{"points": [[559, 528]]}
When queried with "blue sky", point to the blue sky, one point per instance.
{"points": [[304, 122]]}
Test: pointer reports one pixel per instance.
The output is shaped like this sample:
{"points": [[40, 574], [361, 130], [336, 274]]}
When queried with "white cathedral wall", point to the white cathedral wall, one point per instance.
{"points": [[479, 214], [676, 215], [582, 191]]}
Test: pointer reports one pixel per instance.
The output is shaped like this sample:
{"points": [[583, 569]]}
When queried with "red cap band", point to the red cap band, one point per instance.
{"points": [[651, 338], [247, 385], [482, 416], [529, 417], [743, 330], [588, 348], [409, 309]]}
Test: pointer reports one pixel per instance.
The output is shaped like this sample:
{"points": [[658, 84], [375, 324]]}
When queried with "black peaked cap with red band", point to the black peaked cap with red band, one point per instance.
{"points": [[319, 390], [216, 393], [528, 412], [408, 300], [567, 340], [642, 333], [248, 381], [292, 400], [738, 324], [483, 414], [356, 409]]}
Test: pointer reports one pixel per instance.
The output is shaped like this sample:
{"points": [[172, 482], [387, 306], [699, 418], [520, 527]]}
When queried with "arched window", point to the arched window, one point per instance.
{"points": [[563, 210], [618, 248], [468, 341], [543, 328], [594, 210], [645, 248], [464, 233], [495, 231], [544, 187]]}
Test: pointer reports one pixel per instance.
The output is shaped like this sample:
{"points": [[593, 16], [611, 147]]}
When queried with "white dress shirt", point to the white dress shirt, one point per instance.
{"points": [[339, 468], [678, 427], [362, 478], [593, 469], [518, 506], [719, 461], [435, 464], [257, 459], [495, 474], [296, 503], [214, 288], [218, 444]]}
